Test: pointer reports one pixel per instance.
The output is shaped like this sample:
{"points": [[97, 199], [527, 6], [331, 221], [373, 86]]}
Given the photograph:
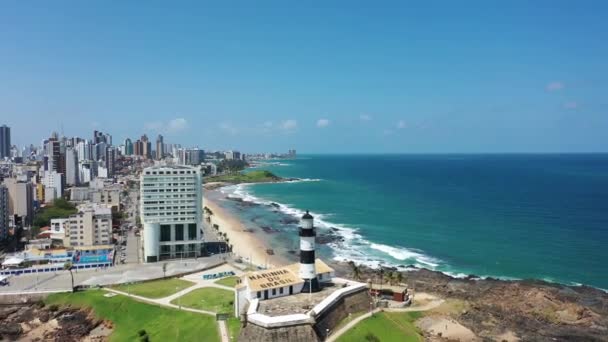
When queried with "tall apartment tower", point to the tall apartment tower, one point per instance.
{"points": [[5, 141], [160, 147], [171, 199], [3, 212], [128, 147], [71, 167]]}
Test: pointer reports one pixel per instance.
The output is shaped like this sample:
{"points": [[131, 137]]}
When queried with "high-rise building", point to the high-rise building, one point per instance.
{"points": [[5, 141], [171, 199], [53, 185], [230, 155], [160, 147], [20, 199], [71, 167], [128, 147], [84, 150], [92, 225], [110, 160], [3, 212], [146, 147]]}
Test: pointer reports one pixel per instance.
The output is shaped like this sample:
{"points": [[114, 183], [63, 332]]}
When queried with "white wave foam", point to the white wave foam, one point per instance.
{"points": [[299, 180], [405, 254], [353, 247]]}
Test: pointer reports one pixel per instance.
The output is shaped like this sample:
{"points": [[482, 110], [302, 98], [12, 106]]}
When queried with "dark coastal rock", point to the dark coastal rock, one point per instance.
{"points": [[235, 199], [534, 310], [274, 205], [269, 230], [289, 220]]}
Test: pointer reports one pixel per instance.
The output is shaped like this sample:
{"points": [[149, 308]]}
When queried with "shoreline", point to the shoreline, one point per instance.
{"points": [[246, 245], [238, 226]]}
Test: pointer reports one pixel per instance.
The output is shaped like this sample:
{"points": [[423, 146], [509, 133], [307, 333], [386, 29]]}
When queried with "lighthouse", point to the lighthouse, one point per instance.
{"points": [[307, 254]]}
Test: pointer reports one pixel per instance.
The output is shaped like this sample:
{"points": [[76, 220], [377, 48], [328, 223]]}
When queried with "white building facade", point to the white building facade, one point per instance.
{"points": [[171, 203]]}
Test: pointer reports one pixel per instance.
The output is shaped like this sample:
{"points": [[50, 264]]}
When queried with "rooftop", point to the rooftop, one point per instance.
{"points": [[281, 277], [299, 303]]}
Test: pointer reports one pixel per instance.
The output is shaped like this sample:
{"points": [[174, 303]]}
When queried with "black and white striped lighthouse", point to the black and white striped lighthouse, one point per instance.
{"points": [[307, 254]]}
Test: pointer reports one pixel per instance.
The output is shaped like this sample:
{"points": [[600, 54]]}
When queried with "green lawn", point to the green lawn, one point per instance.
{"points": [[349, 318], [156, 288], [386, 327], [257, 176], [234, 328], [208, 298], [129, 316], [229, 281]]}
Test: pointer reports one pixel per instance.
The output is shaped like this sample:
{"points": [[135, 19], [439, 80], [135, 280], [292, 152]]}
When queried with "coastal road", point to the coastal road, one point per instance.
{"points": [[52, 281]]}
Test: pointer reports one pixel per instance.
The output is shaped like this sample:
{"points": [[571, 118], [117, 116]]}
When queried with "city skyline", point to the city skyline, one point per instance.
{"points": [[477, 78]]}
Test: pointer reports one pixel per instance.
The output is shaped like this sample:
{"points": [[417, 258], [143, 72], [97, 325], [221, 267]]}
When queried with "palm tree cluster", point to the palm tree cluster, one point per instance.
{"points": [[391, 277]]}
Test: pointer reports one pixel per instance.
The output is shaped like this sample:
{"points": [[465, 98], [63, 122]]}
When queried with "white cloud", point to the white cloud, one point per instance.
{"points": [[365, 117], [571, 105], [229, 128], [322, 123], [177, 125], [153, 126], [401, 124], [555, 85], [267, 124], [173, 126], [288, 125]]}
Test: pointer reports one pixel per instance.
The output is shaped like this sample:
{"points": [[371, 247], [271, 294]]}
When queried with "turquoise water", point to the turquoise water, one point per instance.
{"points": [[510, 216]]}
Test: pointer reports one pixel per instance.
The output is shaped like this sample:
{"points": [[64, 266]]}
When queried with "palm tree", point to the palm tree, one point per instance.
{"points": [[399, 277], [381, 273], [389, 277], [355, 270], [68, 267]]}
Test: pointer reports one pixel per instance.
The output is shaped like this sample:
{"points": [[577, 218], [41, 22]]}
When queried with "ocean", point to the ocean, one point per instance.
{"points": [[509, 216]]}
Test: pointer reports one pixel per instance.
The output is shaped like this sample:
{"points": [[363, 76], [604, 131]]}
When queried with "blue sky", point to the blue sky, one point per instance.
{"points": [[432, 76]]}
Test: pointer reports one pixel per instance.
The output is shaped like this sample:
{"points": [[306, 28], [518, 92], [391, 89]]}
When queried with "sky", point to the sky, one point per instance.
{"points": [[317, 76]]}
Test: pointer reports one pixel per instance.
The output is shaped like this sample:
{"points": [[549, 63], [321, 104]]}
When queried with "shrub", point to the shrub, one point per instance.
{"points": [[142, 333], [371, 337], [53, 307]]}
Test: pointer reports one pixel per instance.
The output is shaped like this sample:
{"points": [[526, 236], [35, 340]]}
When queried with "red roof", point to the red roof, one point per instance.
{"points": [[43, 229]]}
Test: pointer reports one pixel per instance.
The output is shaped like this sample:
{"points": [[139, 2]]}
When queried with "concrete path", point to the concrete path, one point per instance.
{"points": [[429, 306], [223, 331]]}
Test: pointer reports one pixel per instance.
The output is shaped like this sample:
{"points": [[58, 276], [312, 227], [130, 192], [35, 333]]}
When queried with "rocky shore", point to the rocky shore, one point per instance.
{"points": [[39, 322], [531, 310]]}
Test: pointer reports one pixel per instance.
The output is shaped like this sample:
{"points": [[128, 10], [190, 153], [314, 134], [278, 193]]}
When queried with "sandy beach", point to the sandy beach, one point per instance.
{"points": [[250, 247]]}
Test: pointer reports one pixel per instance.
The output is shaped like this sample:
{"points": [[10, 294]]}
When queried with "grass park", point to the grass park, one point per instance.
{"points": [[385, 327], [228, 281], [257, 176], [155, 289], [130, 316], [208, 299]]}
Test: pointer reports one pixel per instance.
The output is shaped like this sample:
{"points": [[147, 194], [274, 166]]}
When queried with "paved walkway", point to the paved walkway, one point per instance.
{"points": [[349, 325]]}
